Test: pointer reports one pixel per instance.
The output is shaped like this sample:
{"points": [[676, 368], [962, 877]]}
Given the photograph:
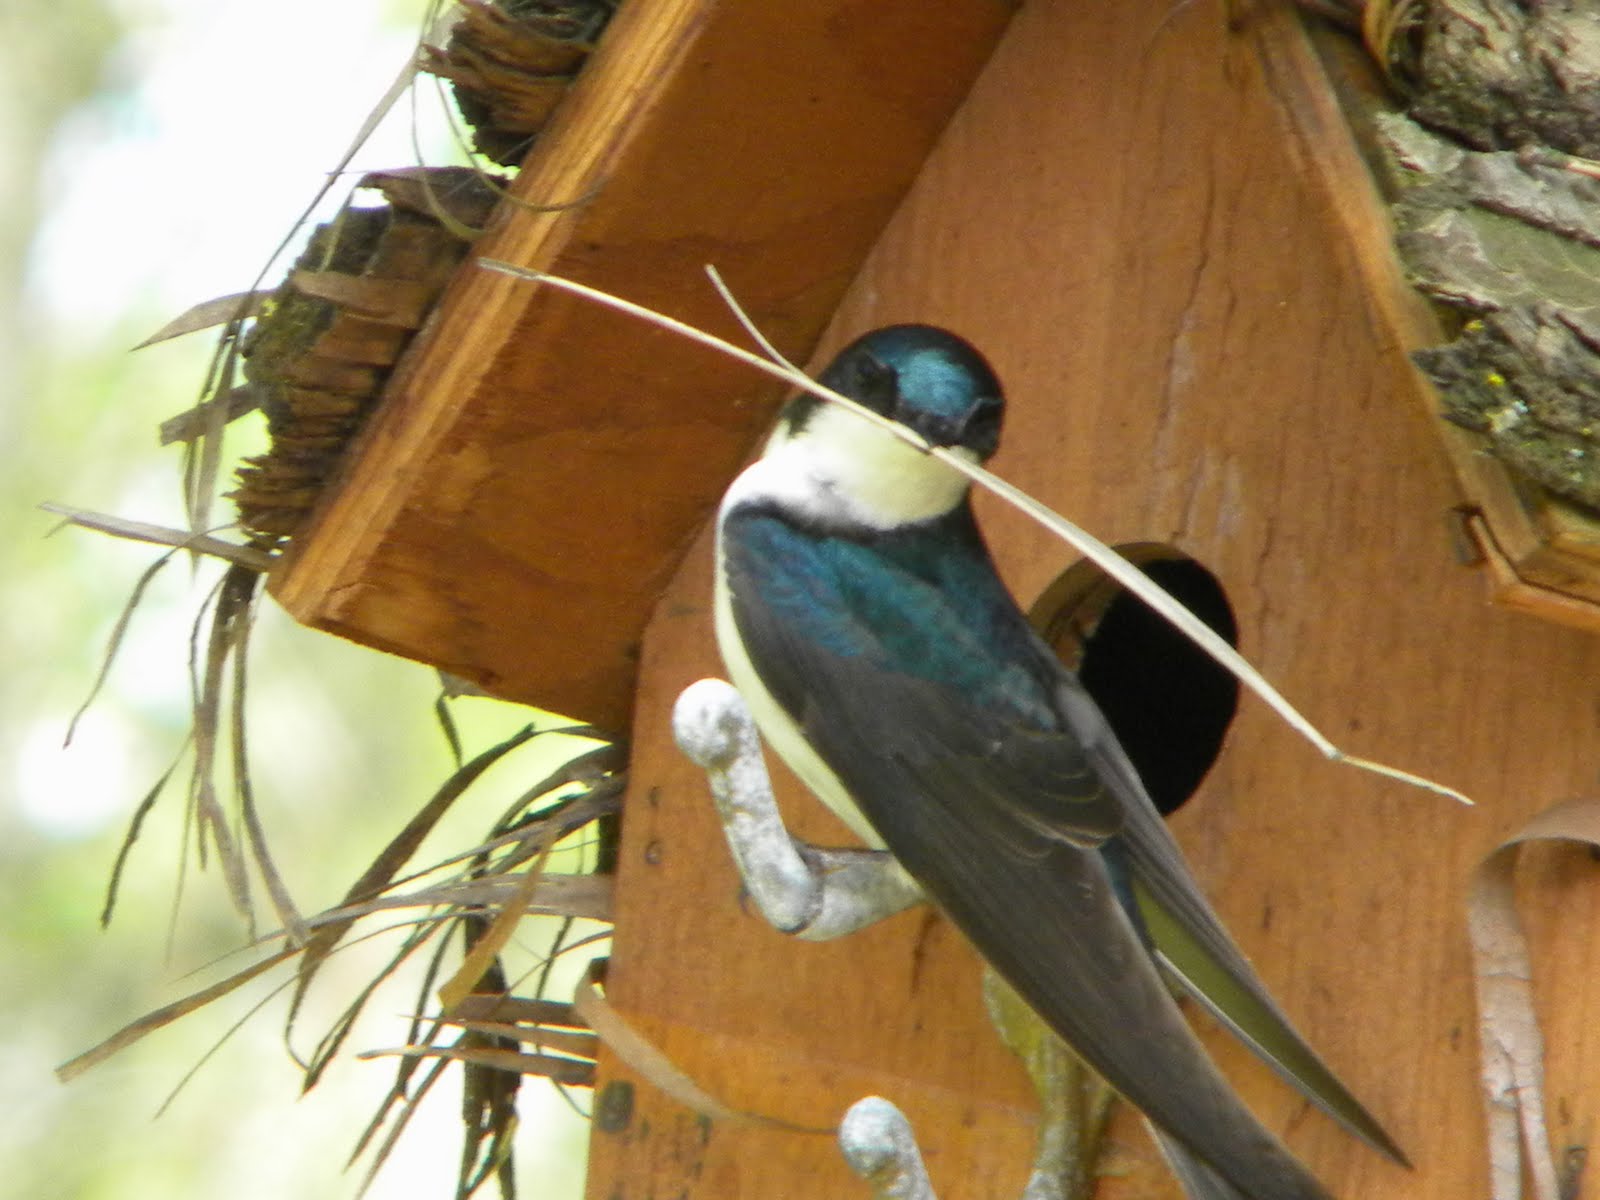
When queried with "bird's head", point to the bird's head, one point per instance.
{"points": [[836, 467], [923, 377]]}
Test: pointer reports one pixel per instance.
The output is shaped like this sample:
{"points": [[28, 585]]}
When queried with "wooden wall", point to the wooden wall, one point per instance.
{"points": [[1125, 218]]}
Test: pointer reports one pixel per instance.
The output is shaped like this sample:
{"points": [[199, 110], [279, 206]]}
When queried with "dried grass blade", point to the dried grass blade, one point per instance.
{"points": [[161, 1017], [581, 1045], [533, 834], [193, 422], [235, 597], [462, 893], [642, 1056], [586, 897], [199, 639], [581, 897], [482, 958], [397, 88], [164, 535], [217, 1045], [202, 459], [589, 767], [583, 943], [114, 643], [1196, 630], [135, 824], [447, 726], [437, 208], [209, 313], [282, 903], [550, 958], [397, 853], [1103, 556], [407, 1066], [498, 1162], [519, 1010], [571, 1071], [568, 817], [404, 1072], [407, 1111], [331, 1041]]}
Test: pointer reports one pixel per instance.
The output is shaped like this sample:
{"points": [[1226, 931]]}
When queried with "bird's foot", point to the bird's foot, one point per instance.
{"points": [[809, 891], [1074, 1102]]}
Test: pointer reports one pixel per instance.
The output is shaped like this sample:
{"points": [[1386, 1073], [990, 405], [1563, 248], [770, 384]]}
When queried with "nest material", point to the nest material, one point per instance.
{"points": [[318, 356], [510, 64], [1512, 243], [319, 353]]}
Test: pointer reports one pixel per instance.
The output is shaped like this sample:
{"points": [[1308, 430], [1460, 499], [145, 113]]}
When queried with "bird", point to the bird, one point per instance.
{"points": [[860, 616]]}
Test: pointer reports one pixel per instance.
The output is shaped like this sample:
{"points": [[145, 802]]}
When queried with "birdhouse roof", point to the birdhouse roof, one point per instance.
{"points": [[539, 465]]}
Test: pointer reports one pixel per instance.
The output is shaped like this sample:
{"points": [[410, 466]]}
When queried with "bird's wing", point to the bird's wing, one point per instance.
{"points": [[1199, 952], [1199, 1181], [1195, 946], [917, 756], [921, 606]]}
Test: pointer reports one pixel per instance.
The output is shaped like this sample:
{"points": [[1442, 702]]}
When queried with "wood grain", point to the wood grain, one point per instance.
{"points": [[1125, 217], [538, 466]]}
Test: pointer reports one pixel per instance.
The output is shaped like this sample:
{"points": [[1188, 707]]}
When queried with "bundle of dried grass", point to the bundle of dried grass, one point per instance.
{"points": [[314, 354], [511, 64], [471, 1015], [320, 349]]}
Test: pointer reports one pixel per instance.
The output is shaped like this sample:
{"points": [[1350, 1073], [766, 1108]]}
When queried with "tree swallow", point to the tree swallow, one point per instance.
{"points": [[860, 615]]}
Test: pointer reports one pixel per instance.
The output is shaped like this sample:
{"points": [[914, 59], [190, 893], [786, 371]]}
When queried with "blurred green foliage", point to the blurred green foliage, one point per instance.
{"points": [[346, 746]]}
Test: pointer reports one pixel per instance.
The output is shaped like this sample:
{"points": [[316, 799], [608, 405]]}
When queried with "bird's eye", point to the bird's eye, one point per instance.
{"points": [[983, 427], [877, 385]]}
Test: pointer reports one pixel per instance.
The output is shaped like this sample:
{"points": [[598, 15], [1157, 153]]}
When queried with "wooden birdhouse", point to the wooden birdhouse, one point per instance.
{"points": [[1152, 219]]}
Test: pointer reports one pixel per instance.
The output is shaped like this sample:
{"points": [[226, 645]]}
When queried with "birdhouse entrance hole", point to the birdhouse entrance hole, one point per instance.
{"points": [[1169, 702]]}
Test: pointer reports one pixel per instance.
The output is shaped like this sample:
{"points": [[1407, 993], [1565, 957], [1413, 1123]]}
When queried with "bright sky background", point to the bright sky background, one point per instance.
{"points": [[227, 117]]}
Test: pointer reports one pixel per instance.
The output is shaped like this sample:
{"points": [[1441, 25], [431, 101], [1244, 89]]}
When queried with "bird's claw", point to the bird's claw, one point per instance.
{"points": [[808, 891]]}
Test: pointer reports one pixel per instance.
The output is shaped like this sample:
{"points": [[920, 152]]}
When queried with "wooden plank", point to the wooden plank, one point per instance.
{"points": [[1125, 217], [516, 507]]}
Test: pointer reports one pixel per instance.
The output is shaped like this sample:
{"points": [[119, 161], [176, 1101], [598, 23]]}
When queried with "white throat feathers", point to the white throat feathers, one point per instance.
{"points": [[840, 470]]}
